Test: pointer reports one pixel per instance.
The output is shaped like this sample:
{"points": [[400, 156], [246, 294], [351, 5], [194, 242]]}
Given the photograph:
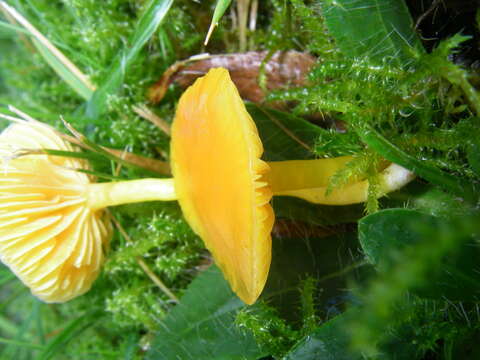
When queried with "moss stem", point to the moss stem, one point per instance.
{"points": [[157, 280]]}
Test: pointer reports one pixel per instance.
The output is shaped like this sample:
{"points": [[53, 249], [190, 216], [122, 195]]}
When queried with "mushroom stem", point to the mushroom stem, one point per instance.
{"points": [[305, 179], [308, 179], [124, 192]]}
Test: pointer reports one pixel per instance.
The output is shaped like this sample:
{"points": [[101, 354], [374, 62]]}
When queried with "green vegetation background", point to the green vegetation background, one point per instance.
{"points": [[394, 279]]}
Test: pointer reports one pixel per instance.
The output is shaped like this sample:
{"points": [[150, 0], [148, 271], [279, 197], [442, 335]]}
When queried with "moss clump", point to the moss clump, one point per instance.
{"points": [[427, 109]]}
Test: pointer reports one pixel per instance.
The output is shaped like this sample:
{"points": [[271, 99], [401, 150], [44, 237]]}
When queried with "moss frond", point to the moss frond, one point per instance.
{"points": [[271, 332]]}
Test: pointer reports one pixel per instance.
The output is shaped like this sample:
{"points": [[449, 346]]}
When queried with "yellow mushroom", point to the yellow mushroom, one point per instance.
{"points": [[222, 185], [215, 159], [224, 188]]}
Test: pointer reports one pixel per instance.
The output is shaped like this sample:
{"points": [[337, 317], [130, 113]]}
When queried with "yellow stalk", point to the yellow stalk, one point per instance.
{"points": [[308, 180], [124, 192]]}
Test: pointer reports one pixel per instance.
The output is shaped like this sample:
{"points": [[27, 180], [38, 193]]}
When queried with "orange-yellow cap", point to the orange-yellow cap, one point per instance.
{"points": [[215, 159]]}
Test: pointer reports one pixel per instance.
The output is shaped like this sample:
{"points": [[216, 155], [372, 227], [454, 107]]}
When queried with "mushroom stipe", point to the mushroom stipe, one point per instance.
{"points": [[53, 230]]}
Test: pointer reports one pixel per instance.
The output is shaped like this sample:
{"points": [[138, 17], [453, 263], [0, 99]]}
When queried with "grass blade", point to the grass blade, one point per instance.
{"points": [[284, 136], [147, 25], [21, 344], [54, 57], [220, 9], [10, 28], [39, 322], [13, 350], [7, 327], [63, 71], [90, 156], [73, 329], [155, 169]]}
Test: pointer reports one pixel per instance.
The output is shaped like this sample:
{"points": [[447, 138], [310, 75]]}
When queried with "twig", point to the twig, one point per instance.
{"points": [[122, 156], [252, 25], [343, 271], [422, 17], [156, 280], [158, 166], [242, 10], [252, 21], [156, 120]]}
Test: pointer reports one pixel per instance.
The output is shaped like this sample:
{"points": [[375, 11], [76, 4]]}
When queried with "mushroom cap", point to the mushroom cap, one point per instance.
{"points": [[49, 237], [215, 153]]}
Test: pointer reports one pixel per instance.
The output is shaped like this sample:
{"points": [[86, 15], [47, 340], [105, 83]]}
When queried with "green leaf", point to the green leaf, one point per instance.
{"points": [[452, 72], [389, 151], [288, 137], [7, 327], [284, 136], [155, 13], [328, 255], [427, 198], [391, 234], [331, 341], [389, 229], [220, 8], [202, 325], [130, 347], [377, 29], [5, 275], [22, 344]]}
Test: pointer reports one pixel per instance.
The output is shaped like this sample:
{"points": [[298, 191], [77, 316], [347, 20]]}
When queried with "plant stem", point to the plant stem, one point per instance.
{"points": [[242, 10], [459, 77], [157, 280], [124, 192]]}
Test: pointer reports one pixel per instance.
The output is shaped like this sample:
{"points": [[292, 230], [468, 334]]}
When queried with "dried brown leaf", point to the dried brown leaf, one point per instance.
{"points": [[284, 69]]}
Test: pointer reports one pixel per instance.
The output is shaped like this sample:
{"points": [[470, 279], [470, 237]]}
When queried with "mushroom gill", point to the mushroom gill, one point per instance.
{"points": [[49, 236]]}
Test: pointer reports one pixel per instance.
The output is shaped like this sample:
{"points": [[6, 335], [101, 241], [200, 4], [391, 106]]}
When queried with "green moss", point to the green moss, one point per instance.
{"points": [[271, 332], [429, 110]]}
